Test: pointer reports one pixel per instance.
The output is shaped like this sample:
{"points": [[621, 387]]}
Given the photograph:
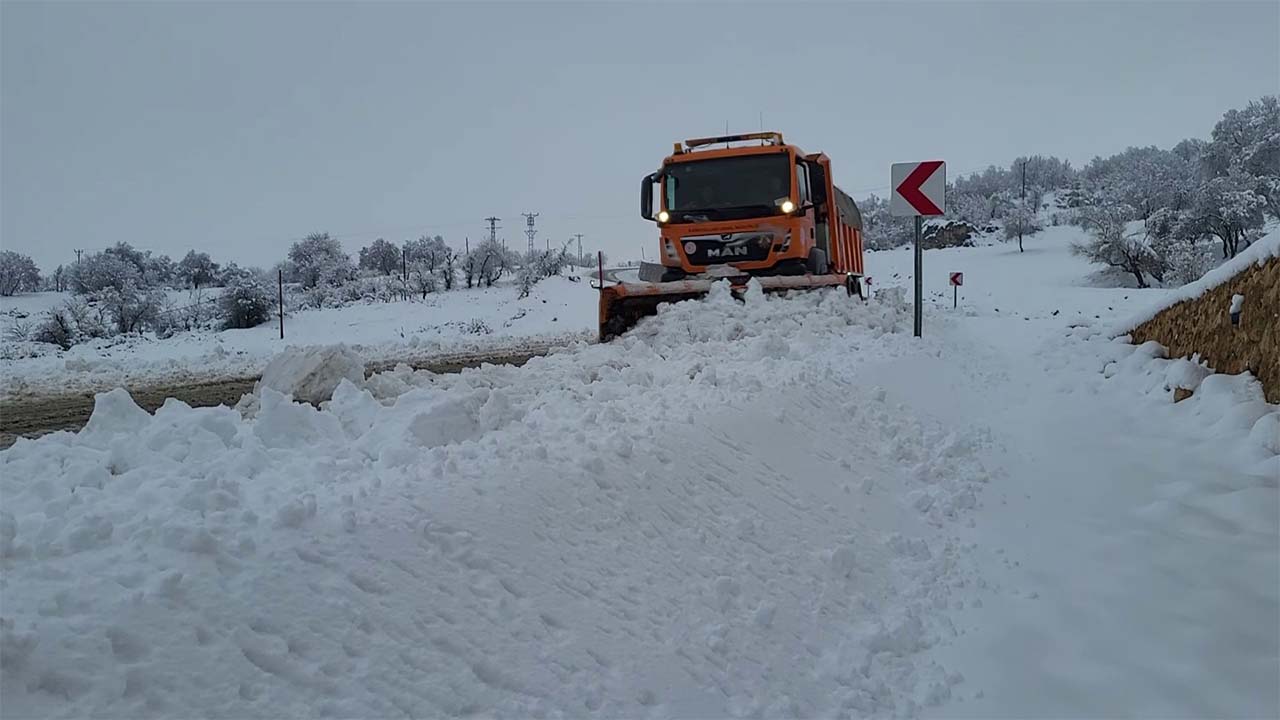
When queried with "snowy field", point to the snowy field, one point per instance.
{"points": [[557, 311], [784, 508]]}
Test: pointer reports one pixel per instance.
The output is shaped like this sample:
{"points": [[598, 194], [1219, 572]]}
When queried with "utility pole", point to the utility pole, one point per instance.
{"points": [[280, 290], [530, 230], [579, 236], [1022, 221], [78, 254]]}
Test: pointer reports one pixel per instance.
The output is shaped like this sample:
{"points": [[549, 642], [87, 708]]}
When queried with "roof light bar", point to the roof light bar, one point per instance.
{"points": [[773, 138]]}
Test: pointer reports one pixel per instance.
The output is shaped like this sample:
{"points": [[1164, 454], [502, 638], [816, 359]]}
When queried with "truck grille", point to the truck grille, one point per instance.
{"points": [[730, 247]]}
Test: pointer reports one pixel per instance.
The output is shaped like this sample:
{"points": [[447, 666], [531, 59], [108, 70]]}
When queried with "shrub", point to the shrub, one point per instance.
{"points": [[247, 302], [56, 329]]}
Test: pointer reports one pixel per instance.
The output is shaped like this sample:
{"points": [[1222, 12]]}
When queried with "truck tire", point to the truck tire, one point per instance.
{"points": [[817, 264]]}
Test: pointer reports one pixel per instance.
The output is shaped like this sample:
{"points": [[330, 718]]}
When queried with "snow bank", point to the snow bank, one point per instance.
{"points": [[712, 516], [311, 374], [1228, 413], [1262, 250]]}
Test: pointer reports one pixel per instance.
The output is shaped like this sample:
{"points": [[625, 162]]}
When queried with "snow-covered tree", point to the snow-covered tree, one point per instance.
{"points": [[1146, 178], [380, 256], [18, 273], [486, 263], [971, 207], [1020, 222], [158, 270], [248, 301], [1230, 209], [320, 258], [447, 268], [421, 280], [197, 270], [987, 183], [880, 229], [97, 272], [429, 251], [126, 252], [1041, 171], [59, 278], [1110, 243], [132, 307], [1246, 143]]}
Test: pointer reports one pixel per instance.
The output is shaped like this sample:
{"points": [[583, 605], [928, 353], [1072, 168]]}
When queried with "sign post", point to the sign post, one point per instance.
{"points": [[919, 278], [957, 279], [919, 190]]}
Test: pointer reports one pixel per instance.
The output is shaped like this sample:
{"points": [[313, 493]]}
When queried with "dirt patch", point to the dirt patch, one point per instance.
{"points": [[40, 416], [1203, 325]]}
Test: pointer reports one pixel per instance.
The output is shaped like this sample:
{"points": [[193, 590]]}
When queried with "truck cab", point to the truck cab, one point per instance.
{"points": [[760, 209]]}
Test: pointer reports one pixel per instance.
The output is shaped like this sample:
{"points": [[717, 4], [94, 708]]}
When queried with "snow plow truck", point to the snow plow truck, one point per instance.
{"points": [[754, 208]]}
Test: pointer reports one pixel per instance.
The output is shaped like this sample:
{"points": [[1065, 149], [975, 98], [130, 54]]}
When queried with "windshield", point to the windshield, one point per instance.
{"points": [[749, 182]]}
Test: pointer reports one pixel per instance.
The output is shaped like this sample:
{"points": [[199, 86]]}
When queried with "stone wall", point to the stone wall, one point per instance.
{"points": [[1203, 325]]}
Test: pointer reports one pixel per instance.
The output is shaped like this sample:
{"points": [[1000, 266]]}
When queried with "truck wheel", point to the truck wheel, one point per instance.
{"points": [[817, 264]]}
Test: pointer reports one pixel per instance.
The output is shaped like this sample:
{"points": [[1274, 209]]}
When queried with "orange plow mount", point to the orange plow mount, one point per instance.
{"points": [[624, 304]]}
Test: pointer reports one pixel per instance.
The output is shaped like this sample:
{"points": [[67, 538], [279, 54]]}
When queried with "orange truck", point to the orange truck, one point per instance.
{"points": [[754, 208]]}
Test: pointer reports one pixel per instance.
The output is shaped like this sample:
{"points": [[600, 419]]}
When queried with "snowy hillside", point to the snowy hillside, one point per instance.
{"points": [[558, 310], [784, 508]]}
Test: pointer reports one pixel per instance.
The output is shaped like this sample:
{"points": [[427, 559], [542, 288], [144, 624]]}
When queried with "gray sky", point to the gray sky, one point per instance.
{"points": [[237, 127]]}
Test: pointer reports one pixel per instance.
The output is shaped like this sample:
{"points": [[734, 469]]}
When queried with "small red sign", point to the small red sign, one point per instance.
{"points": [[957, 278]]}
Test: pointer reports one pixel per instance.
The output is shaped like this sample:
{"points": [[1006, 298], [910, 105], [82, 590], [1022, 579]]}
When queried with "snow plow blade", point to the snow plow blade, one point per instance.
{"points": [[624, 304]]}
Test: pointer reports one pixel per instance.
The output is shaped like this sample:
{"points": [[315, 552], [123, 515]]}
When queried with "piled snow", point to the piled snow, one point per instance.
{"points": [[311, 374], [595, 533], [1262, 250], [1228, 413]]}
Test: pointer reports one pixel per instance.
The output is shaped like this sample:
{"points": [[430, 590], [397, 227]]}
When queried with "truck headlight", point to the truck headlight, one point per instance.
{"points": [[663, 216], [788, 206]]}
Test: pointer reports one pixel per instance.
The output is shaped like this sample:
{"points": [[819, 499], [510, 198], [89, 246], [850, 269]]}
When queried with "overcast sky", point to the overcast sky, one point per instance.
{"points": [[237, 127]]}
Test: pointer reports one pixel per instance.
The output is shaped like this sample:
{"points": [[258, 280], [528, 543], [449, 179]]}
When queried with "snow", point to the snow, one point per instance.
{"points": [[311, 374], [558, 311], [788, 507], [1262, 250]]}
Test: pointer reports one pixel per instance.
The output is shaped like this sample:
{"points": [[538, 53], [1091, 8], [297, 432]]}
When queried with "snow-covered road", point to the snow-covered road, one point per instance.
{"points": [[789, 507]]}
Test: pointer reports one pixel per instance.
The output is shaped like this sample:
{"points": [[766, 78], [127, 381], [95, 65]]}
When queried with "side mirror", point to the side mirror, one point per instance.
{"points": [[817, 182], [646, 195]]}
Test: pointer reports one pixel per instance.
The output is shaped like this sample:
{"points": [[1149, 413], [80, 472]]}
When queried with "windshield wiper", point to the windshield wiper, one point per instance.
{"points": [[723, 212]]}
